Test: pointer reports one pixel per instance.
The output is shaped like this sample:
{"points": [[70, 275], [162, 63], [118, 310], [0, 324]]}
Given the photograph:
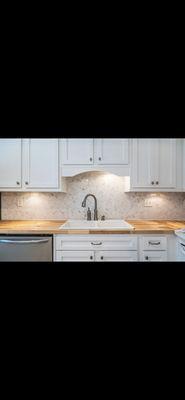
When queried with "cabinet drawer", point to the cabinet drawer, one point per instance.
{"points": [[95, 242], [154, 243], [71, 244], [154, 256], [74, 256]]}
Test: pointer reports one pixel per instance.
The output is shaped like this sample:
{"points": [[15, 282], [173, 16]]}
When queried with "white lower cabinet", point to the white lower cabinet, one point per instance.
{"points": [[153, 248], [115, 247], [96, 248]]}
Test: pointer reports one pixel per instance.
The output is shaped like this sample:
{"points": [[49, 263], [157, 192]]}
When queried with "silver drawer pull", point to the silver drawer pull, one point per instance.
{"points": [[23, 241], [96, 244], [154, 243]]}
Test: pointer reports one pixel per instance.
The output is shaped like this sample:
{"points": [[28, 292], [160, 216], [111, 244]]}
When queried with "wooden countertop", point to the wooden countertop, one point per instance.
{"points": [[30, 226], [52, 226]]}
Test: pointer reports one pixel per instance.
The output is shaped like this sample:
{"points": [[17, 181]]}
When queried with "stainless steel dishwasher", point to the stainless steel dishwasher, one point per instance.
{"points": [[26, 248]]}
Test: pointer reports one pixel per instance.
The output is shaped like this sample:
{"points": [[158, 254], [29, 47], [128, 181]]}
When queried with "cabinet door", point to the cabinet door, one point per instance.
{"points": [[41, 163], [143, 159], [74, 255], [116, 255], [77, 151], [154, 256], [165, 167], [10, 163], [154, 163], [111, 151]]}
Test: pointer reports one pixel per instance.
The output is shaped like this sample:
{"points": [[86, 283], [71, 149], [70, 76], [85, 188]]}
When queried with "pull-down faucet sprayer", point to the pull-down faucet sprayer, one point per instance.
{"points": [[95, 204]]}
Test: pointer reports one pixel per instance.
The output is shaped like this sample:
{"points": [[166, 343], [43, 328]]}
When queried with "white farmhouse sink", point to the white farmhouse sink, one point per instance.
{"points": [[109, 224], [114, 224]]}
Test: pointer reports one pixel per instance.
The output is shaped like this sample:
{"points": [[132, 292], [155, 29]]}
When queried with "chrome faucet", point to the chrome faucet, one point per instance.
{"points": [[95, 204]]}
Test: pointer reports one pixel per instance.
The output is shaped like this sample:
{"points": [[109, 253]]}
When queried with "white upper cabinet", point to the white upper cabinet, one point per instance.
{"points": [[153, 165], [142, 161], [166, 163], [10, 163], [82, 155], [41, 163], [77, 151], [111, 151], [30, 165]]}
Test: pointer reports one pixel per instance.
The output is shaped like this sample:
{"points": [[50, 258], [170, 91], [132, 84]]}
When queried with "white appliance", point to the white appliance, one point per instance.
{"points": [[180, 233]]}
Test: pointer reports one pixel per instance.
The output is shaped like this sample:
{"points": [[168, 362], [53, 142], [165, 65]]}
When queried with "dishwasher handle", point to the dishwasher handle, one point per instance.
{"points": [[23, 241]]}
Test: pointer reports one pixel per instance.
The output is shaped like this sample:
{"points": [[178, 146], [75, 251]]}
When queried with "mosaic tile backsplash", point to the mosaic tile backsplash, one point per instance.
{"points": [[113, 201]]}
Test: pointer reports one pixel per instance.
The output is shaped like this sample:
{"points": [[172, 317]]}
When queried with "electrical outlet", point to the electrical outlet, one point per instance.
{"points": [[148, 203], [20, 202]]}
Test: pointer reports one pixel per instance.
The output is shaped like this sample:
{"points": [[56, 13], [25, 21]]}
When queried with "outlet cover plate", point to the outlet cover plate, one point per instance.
{"points": [[148, 203], [20, 202]]}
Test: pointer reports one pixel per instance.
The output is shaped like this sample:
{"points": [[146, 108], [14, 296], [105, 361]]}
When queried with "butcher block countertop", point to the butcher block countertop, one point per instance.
{"points": [[52, 226]]}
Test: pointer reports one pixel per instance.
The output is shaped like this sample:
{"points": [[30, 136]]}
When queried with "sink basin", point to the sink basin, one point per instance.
{"points": [[110, 224]]}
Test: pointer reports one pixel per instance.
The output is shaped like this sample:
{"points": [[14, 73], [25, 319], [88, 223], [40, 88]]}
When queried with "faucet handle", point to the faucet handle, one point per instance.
{"points": [[103, 218]]}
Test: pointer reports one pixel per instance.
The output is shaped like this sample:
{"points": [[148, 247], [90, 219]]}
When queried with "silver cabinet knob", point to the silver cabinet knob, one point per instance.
{"points": [[99, 158], [26, 183], [152, 182], [18, 183], [146, 257], [101, 257], [90, 158], [91, 257], [157, 182]]}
